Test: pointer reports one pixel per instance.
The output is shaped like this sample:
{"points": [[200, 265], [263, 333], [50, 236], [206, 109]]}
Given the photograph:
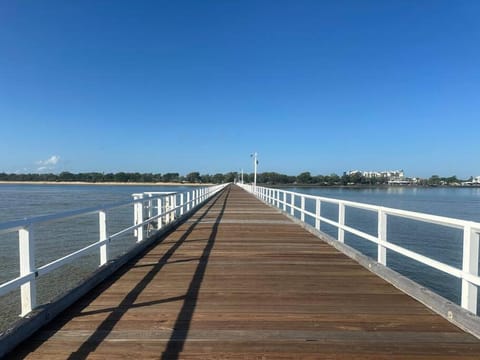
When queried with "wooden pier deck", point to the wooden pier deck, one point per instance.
{"points": [[239, 280]]}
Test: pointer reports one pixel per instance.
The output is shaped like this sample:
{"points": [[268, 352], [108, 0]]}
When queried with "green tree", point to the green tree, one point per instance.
{"points": [[171, 177], [304, 178], [193, 177], [218, 178]]}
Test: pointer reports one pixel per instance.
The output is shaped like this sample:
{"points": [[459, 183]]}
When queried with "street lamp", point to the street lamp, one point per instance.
{"points": [[255, 163]]}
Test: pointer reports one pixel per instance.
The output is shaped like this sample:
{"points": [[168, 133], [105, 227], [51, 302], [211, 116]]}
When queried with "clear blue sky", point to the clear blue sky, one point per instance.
{"points": [[162, 86]]}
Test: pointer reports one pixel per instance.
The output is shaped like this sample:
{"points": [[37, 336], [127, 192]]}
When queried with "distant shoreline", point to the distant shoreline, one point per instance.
{"points": [[112, 183], [101, 183]]}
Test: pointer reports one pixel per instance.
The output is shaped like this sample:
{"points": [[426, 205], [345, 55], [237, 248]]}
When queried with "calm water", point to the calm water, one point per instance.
{"points": [[62, 237], [438, 242], [59, 238]]}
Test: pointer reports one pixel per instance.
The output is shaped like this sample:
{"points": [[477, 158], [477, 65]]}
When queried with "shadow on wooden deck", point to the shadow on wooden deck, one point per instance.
{"points": [[182, 324]]}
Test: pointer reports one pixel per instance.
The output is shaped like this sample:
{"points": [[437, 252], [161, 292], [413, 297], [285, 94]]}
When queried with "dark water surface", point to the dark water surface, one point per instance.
{"points": [[441, 243], [59, 238]]}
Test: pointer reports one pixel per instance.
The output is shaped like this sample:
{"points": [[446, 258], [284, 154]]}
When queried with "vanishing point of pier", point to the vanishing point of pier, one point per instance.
{"points": [[240, 280]]}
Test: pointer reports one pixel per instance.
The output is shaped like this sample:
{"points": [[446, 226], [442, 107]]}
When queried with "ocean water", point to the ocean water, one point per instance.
{"points": [[59, 238], [438, 242]]}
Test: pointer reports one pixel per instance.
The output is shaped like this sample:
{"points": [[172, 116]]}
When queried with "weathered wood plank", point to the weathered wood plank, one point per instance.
{"points": [[240, 281]]}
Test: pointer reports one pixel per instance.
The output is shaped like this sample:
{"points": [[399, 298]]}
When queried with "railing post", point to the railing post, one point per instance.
{"points": [[302, 206], [150, 203], [382, 236], [28, 291], [138, 215], [160, 211], [174, 213], [292, 204], [318, 208], [284, 200], [341, 222], [470, 266], [102, 227], [171, 207], [188, 200], [181, 204], [278, 198]]}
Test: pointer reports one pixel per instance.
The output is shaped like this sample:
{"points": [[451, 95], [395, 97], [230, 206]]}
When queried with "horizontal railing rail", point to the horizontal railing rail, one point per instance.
{"points": [[152, 211], [468, 273]]}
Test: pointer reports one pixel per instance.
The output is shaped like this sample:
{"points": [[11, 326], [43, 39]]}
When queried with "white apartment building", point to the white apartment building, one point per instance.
{"points": [[389, 174], [475, 181]]}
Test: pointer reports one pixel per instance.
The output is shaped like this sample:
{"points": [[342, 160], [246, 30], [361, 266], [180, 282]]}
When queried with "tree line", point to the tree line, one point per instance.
{"points": [[267, 178]]}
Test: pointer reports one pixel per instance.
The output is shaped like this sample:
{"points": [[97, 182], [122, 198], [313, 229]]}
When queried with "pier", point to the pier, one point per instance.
{"points": [[239, 280]]}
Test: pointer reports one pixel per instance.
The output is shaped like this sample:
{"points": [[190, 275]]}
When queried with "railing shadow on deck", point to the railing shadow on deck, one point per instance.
{"points": [[182, 323]]}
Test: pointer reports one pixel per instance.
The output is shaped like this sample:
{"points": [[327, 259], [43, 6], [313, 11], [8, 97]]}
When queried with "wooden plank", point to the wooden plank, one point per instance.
{"points": [[239, 280]]}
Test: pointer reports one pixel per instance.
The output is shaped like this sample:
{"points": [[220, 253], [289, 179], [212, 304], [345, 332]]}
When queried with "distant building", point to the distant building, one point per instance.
{"points": [[389, 175], [475, 181]]}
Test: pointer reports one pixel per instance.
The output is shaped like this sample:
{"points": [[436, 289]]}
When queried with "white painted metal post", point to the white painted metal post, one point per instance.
{"points": [[181, 204], [382, 236], [138, 215], [139, 219], [341, 222], [172, 206], [188, 201], [160, 211], [102, 227], [302, 213], [292, 204], [284, 200], [318, 207], [278, 198], [150, 203], [28, 291], [255, 163], [470, 266]]}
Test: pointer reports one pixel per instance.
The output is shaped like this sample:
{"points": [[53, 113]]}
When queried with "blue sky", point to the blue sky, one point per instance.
{"points": [[162, 86]]}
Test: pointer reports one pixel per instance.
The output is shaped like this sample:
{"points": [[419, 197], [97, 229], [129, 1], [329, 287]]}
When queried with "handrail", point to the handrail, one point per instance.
{"points": [[471, 233], [165, 205]]}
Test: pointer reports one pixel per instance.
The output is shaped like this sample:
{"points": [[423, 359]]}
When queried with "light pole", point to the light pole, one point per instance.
{"points": [[255, 163]]}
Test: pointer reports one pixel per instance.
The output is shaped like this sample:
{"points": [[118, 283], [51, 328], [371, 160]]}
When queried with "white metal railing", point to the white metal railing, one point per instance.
{"points": [[286, 201], [151, 212]]}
